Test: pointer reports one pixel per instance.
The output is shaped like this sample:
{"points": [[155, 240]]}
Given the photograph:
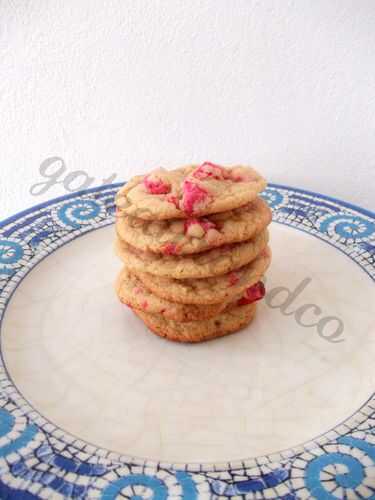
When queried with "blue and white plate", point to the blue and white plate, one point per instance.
{"points": [[94, 406]]}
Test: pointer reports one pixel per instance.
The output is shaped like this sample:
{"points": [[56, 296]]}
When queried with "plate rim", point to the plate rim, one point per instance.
{"points": [[82, 192]]}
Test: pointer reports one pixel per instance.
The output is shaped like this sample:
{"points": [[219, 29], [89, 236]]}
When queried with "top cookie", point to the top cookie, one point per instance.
{"points": [[193, 190]]}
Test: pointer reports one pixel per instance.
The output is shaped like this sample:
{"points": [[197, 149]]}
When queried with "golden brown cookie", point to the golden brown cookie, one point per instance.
{"points": [[200, 265], [212, 290], [132, 292], [195, 235], [227, 322], [190, 191]]}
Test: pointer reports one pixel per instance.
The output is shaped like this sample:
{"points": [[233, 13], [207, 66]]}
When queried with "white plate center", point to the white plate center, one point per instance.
{"points": [[86, 363]]}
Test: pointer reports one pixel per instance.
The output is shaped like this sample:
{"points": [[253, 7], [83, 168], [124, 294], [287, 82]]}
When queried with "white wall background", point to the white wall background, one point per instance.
{"points": [[116, 86]]}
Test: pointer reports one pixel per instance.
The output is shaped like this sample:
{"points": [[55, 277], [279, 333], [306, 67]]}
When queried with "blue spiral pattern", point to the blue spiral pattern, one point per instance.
{"points": [[155, 484], [7, 423], [348, 226], [274, 198], [79, 213], [10, 252], [37, 460], [351, 479], [13, 256], [158, 488], [355, 472]]}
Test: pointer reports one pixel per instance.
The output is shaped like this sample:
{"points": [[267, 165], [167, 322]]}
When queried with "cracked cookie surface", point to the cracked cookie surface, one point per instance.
{"points": [[211, 290], [190, 191], [194, 235], [133, 293], [200, 265], [227, 322]]}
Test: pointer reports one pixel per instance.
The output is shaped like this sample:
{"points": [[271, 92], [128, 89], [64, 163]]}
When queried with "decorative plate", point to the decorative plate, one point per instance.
{"points": [[80, 375]]}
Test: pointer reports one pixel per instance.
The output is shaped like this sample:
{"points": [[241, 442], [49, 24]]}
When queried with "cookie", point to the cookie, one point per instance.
{"points": [[194, 235], [200, 265], [212, 290], [225, 323], [132, 292], [190, 191]]}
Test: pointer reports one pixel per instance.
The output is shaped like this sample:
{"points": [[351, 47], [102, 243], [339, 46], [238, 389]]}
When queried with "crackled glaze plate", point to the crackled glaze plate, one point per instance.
{"points": [[95, 406]]}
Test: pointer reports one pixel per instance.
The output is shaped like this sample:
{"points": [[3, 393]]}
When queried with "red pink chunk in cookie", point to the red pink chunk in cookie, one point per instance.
{"points": [[252, 294], [155, 185], [194, 197]]}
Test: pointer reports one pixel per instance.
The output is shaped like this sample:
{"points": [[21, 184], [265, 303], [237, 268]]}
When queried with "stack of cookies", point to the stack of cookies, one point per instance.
{"points": [[194, 244]]}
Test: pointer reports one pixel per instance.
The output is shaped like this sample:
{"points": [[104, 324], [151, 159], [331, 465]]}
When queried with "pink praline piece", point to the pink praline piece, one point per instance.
{"points": [[252, 294], [194, 197], [155, 185], [209, 170]]}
